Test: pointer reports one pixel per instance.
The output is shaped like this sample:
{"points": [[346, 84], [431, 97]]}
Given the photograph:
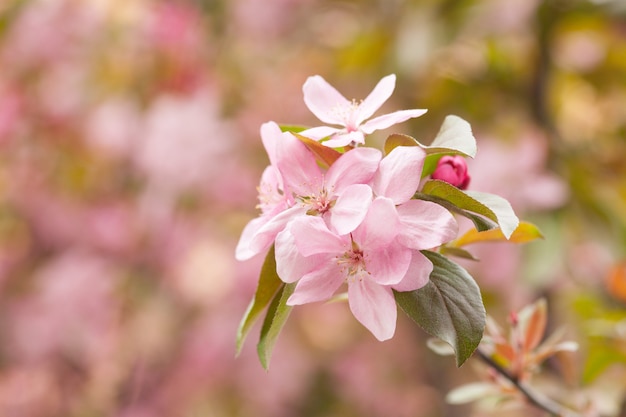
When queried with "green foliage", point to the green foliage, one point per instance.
{"points": [[449, 307], [277, 315], [269, 284], [469, 203]]}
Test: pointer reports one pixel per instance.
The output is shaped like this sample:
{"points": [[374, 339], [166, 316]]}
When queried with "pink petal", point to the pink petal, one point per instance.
{"points": [[298, 167], [350, 208], [318, 285], [323, 100], [357, 166], [290, 264], [376, 98], [380, 226], [312, 237], [320, 132], [243, 250], [417, 274], [387, 120], [342, 138], [388, 265], [265, 235], [374, 306], [425, 225], [399, 173], [271, 135]]}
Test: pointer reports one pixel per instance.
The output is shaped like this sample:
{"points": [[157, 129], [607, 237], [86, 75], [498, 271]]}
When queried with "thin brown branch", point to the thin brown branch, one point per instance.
{"points": [[533, 397]]}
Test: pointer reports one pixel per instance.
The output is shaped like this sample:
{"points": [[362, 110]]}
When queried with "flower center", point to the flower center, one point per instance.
{"points": [[353, 263], [317, 204], [348, 114]]}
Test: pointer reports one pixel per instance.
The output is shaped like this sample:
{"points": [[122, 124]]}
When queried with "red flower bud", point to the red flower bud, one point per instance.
{"points": [[453, 170]]}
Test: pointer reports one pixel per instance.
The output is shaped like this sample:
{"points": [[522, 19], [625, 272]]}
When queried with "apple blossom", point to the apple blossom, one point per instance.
{"points": [[331, 107], [294, 185], [370, 260]]}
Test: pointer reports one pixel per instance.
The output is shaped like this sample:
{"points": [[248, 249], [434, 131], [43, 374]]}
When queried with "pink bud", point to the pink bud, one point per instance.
{"points": [[453, 170]]}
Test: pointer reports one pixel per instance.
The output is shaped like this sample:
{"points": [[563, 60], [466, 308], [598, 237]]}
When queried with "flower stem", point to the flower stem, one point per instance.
{"points": [[533, 397]]}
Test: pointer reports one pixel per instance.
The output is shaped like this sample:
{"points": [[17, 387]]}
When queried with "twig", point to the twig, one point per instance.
{"points": [[533, 397]]}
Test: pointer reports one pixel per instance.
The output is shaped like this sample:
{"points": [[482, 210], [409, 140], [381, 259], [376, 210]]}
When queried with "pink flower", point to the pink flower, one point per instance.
{"points": [[424, 224], [294, 185], [370, 260], [328, 105], [273, 200], [453, 170]]}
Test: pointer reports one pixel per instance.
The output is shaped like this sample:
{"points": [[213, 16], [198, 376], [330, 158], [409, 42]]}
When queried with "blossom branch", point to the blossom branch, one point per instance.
{"points": [[533, 397]]}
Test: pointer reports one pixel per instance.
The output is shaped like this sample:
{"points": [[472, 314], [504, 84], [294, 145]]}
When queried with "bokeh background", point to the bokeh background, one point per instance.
{"points": [[130, 156]]}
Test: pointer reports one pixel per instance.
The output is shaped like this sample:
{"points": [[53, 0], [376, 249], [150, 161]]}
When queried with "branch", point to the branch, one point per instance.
{"points": [[533, 397]]}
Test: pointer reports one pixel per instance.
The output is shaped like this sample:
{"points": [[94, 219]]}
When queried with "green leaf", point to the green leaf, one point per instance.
{"points": [[397, 139], [293, 128], [490, 206], [277, 315], [268, 285], [449, 307], [454, 135]]}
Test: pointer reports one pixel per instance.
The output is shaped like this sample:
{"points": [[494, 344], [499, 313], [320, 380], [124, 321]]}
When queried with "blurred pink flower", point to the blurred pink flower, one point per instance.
{"points": [[328, 105], [181, 141], [453, 170], [518, 173]]}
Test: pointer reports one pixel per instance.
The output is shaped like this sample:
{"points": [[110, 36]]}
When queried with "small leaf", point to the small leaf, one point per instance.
{"points": [[293, 128], [455, 135], [449, 307], [277, 315], [325, 155], [525, 232], [533, 319], [397, 139], [268, 285], [490, 206], [456, 251], [471, 392], [440, 347]]}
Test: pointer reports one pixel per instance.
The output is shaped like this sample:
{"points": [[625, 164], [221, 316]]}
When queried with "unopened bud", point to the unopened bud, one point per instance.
{"points": [[453, 170]]}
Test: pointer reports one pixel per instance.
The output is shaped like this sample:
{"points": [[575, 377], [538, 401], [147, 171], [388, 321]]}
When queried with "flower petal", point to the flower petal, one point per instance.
{"points": [[318, 285], [312, 237], [320, 132], [399, 173], [290, 264], [323, 100], [263, 238], [356, 166], [417, 274], [243, 250], [298, 167], [342, 138], [390, 119], [379, 227], [388, 265], [374, 306], [376, 98], [271, 135], [350, 208], [425, 225]]}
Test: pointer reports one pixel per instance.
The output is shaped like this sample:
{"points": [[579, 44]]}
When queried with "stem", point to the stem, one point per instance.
{"points": [[533, 397]]}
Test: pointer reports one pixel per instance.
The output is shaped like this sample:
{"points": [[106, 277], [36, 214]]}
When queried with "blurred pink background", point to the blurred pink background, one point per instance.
{"points": [[130, 156]]}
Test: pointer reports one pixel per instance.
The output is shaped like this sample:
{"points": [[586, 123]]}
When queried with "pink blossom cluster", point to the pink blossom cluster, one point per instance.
{"points": [[354, 222]]}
